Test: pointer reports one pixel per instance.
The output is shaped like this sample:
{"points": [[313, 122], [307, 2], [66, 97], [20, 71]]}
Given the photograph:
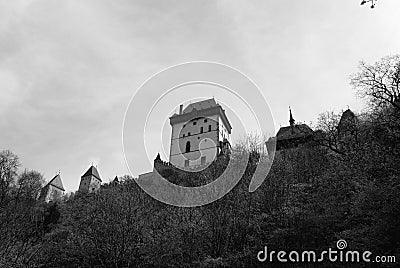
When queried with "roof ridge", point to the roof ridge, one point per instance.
{"points": [[92, 171], [56, 183]]}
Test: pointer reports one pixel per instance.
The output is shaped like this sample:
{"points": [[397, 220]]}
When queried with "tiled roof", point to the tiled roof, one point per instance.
{"points": [[296, 131], [56, 182], [200, 105], [92, 171]]}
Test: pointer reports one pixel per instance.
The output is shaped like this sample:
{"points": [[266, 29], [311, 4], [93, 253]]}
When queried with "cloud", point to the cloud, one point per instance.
{"points": [[69, 68]]}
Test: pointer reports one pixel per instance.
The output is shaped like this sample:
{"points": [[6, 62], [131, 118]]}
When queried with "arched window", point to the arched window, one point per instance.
{"points": [[188, 146], [209, 128]]}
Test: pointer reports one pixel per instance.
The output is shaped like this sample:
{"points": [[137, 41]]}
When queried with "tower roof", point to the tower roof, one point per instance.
{"points": [[348, 119], [295, 131], [56, 182], [291, 119], [201, 105], [348, 113], [92, 171], [203, 108]]}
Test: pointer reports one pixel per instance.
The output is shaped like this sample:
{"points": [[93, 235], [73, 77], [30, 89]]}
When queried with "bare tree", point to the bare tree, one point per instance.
{"points": [[379, 82], [29, 184], [327, 135], [9, 164]]}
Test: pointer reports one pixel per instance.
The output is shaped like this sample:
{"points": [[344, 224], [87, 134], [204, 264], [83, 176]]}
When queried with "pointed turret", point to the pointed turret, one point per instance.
{"points": [[53, 190], [90, 181], [291, 119]]}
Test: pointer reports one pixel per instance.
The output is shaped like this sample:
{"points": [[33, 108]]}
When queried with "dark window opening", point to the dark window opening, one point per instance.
{"points": [[188, 133], [203, 160], [194, 123], [188, 146], [201, 130], [205, 120], [209, 128]]}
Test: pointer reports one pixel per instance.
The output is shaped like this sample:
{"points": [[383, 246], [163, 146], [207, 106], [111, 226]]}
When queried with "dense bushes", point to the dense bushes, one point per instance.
{"points": [[310, 199]]}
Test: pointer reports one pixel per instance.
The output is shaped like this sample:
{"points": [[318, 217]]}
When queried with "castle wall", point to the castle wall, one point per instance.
{"points": [[89, 184], [201, 143], [223, 132], [50, 193]]}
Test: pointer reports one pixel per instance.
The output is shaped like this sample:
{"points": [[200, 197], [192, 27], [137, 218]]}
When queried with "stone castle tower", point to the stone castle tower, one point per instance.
{"points": [[199, 133], [53, 190], [90, 181]]}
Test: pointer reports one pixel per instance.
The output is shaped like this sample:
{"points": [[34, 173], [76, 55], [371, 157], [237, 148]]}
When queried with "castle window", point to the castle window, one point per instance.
{"points": [[201, 130], [183, 135], [194, 123], [188, 133], [209, 128], [188, 146], [186, 163], [205, 120]]}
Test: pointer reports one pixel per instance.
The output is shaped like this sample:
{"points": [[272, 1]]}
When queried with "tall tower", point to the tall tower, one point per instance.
{"points": [[90, 181], [199, 133]]}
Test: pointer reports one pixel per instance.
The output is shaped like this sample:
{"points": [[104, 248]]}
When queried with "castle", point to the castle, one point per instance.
{"points": [[295, 135], [200, 133], [54, 189]]}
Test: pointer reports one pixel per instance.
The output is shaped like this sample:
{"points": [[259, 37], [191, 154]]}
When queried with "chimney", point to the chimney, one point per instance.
{"points": [[180, 109]]}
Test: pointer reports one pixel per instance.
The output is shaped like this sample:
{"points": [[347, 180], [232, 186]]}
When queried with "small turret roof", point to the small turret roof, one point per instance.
{"points": [[92, 171], [56, 182]]}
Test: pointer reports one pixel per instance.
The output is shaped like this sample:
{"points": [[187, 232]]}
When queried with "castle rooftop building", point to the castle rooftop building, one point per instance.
{"points": [[53, 190], [90, 181], [293, 135], [199, 133]]}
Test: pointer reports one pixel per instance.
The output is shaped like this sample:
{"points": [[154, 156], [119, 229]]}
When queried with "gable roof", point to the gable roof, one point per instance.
{"points": [[56, 182], [201, 105], [297, 131], [92, 171]]}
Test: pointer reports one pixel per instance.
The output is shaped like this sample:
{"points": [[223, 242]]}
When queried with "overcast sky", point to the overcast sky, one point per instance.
{"points": [[69, 68]]}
